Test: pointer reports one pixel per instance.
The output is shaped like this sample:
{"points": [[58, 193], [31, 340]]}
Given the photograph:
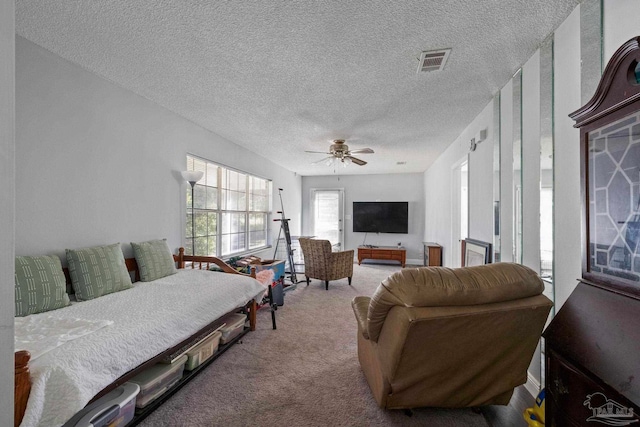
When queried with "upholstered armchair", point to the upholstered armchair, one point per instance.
{"points": [[444, 337], [323, 264]]}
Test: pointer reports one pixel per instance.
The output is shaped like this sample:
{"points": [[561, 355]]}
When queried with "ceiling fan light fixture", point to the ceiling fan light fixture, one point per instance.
{"points": [[339, 152]]}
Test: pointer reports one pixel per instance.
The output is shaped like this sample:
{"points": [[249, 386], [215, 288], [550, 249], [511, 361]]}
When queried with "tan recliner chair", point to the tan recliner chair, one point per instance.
{"points": [[446, 337]]}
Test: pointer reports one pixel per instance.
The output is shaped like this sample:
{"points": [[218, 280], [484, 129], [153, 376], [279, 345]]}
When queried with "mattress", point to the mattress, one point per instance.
{"points": [[147, 319]]}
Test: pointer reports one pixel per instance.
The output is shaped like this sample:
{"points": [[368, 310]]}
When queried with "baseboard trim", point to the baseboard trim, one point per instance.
{"points": [[532, 385]]}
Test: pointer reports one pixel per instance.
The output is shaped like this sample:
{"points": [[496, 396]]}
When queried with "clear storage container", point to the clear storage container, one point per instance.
{"points": [[203, 351], [114, 409], [233, 328], [157, 379]]}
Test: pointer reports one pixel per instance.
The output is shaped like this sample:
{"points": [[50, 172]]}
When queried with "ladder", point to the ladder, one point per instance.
{"points": [[284, 227]]}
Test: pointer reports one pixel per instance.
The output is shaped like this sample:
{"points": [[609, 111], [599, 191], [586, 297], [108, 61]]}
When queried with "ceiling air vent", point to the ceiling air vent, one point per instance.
{"points": [[433, 60]]}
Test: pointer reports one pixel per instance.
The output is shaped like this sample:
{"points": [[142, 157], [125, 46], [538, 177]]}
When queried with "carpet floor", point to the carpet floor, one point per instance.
{"points": [[305, 373]]}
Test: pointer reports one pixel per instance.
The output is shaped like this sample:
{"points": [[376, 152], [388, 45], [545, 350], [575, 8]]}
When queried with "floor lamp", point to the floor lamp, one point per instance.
{"points": [[192, 177]]}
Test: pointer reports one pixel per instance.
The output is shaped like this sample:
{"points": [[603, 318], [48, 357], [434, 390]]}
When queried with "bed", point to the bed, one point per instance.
{"points": [[124, 332]]}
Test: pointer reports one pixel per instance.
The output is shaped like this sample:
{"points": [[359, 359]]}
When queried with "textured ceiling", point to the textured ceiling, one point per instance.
{"points": [[281, 77]]}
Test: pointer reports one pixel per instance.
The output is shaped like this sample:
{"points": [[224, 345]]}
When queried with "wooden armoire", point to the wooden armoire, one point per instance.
{"points": [[592, 346]]}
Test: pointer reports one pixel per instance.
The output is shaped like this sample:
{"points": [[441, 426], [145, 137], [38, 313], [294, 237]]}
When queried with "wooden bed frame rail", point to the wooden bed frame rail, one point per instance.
{"points": [[22, 379], [22, 385]]}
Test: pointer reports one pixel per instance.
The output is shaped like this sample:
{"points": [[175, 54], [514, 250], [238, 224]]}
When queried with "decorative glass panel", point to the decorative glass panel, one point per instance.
{"points": [[614, 201]]}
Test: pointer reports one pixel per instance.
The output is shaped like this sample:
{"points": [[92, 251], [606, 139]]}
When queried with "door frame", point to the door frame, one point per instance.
{"points": [[456, 211]]}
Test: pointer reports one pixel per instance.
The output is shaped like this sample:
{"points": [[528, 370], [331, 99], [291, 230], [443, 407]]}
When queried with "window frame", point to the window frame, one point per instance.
{"points": [[224, 246]]}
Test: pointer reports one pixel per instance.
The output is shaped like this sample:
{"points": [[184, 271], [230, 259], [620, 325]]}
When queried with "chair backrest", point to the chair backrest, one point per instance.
{"points": [[457, 337], [317, 255], [442, 287]]}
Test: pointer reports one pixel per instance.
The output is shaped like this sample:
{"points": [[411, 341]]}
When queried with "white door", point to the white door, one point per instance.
{"points": [[327, 206]]}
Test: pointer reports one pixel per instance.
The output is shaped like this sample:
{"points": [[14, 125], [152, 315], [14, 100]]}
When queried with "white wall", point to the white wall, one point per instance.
{"points": [[531, 176], [620, 24], [531, 167], [98, 164], [437, 193], [438, 188], [506, 172], [481, 177], [567, 226], [365, 188], [7, 203]]}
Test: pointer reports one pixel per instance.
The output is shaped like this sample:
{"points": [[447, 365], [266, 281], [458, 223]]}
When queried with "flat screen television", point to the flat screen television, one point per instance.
{"points": [[381, 217]]}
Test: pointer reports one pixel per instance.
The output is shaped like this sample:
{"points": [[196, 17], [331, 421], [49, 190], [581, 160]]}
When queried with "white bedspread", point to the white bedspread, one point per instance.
{"points": [[147, 319], [40, 335]]}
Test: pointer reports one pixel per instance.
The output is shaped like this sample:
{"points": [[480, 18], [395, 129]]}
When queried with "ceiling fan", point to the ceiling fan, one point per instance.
{"points": [[339, 151]]}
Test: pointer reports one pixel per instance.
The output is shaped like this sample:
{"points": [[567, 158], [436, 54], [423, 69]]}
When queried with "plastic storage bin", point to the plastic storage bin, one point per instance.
{"points": [[233, 328], [157, 379], [114, 409], [203, 351]]}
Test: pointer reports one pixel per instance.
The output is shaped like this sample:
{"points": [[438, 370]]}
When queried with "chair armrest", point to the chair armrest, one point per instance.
{"points": [[344, 254], [342, 258], [360, 307]]}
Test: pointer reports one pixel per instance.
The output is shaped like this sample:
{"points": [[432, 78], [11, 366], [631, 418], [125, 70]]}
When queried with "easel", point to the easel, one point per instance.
{"points": [[284, 226]]}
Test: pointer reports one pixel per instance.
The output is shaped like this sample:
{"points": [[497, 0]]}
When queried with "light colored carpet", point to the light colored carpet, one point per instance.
{"points": [[305, 373]]}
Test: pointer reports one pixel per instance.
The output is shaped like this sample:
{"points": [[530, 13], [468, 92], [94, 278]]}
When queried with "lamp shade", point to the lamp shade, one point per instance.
{"points": [[192, 176]]}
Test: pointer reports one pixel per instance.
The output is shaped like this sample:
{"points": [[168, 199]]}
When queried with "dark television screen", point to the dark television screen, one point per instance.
{"points": [[381, 217]]}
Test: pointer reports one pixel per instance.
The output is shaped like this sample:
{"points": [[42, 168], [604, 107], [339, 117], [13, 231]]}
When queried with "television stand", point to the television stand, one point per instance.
{"points": [[388, 253]]}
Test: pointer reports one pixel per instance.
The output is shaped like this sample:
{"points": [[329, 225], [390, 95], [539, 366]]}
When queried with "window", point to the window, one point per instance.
{"points": [[230, 210]]}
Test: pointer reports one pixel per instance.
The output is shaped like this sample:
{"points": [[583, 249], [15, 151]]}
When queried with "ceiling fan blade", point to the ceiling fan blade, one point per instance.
{"points": [[357, 161], [362, 151], [321, 161], [316, 152]]}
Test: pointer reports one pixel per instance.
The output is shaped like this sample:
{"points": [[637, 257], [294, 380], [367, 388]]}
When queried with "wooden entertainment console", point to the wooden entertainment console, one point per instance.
{"points": [[392, 253]]}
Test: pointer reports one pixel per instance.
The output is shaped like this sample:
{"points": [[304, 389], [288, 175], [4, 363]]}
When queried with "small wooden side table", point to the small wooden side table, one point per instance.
{"points": [[432, 254]]}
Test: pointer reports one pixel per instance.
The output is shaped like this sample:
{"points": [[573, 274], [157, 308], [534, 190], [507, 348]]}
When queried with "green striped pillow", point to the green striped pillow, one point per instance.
{"points": [[97, 271], [154, 259], [39, 285]]}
